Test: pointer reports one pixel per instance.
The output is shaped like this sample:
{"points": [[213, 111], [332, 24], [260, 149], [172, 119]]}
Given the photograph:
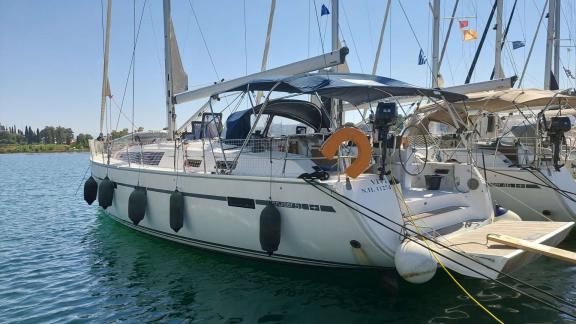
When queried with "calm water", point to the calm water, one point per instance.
{"points": [[64, 261]]}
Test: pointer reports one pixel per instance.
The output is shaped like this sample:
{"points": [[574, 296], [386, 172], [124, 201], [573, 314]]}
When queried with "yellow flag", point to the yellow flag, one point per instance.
{"points": [[469, 34]]}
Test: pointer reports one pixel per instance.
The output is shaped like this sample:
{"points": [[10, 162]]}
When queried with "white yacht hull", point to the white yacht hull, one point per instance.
{"points": [[530, 193], [534, 194], [316, 228]]}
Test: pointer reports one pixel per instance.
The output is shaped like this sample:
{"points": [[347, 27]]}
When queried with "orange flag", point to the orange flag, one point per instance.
{"points": [[469, 34]]}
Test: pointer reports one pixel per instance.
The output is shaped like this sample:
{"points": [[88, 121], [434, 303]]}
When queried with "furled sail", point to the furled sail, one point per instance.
{"points": [[179, 76]]}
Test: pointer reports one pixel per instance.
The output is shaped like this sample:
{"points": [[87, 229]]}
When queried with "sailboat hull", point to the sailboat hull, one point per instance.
{"points": [[222, 213]]}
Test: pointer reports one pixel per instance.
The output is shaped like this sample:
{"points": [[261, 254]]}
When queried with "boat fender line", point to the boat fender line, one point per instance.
{"points": [[90, 190], [137, 205], [105, 193], [176, 210], [504, 214], [270, 228], [415, 263]]}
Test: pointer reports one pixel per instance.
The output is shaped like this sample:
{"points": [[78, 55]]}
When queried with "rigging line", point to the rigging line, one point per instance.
{"points": [[529, 181], [569, 79], [506, 35], [533, 42], [204, 40], [480, 45], [309, 19], [245, 40], [415, 37], [120, 111], [81, 179], [155, 39], [321, 38], [390, 47], [336, 196], [319, 29], [130, 68], [569, 26], [134, 64], [511, 57], [352, 36], [102, 24]]}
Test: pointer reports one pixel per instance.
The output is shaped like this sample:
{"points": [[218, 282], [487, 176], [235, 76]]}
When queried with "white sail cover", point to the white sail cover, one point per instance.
{"points": [[179, 76]]}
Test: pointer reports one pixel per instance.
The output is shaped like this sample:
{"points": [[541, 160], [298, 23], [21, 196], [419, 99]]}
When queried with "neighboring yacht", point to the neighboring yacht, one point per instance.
{"points": [[516, 136]]}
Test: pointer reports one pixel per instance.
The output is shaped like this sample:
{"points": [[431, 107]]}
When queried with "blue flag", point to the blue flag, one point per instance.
{"points": [[421, 58], [324, 11], [518, 44]]}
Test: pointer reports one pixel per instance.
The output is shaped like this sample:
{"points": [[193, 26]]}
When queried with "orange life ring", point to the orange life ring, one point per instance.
{"points": [[362, 161]]}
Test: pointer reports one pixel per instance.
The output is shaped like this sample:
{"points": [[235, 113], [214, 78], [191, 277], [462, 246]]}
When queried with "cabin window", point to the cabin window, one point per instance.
{"points": [[211, 125], [282, 126]]}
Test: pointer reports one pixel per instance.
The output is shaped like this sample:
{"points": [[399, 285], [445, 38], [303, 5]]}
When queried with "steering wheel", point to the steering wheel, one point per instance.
{"points": [[415, 143]]}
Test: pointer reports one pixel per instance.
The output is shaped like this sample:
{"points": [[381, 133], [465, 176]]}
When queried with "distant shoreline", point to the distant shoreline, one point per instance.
{"points": [[41, 148]]}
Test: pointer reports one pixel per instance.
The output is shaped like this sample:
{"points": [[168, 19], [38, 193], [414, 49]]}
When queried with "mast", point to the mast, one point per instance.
{"points": [[532, 44], [337, 108], [170, 113], [382, 30], [105, 82], [549, 41], [448, 33], [475, 60], [498, 73], [557, 41], [435, 43], [266, 45], [335, 25]]}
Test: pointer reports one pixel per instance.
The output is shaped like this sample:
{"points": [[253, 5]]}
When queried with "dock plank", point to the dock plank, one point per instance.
{"points": [[546, 250]]}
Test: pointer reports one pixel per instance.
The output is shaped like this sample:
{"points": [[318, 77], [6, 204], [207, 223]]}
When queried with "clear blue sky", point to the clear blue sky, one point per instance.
{"points": [[51, 51]]}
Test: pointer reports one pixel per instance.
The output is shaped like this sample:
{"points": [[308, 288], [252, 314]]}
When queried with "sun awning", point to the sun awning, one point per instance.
{"points": [[350, 87], [494, 102], [497, 101]]}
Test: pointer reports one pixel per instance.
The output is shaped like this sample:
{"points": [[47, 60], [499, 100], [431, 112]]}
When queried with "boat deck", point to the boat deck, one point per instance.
{"points": [[497, 256], [476, 242]]}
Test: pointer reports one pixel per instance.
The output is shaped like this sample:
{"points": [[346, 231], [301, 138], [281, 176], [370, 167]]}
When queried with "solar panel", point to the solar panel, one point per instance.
{"points": [[148, 158]]}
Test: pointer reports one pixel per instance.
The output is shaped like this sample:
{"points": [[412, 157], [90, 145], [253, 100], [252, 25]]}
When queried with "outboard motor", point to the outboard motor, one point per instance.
{"points": [[386, 115], [559, 125]]}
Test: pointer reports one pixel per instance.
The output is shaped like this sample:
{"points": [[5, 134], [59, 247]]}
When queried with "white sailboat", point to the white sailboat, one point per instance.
{"points": [[324, 195], [513, 134]]}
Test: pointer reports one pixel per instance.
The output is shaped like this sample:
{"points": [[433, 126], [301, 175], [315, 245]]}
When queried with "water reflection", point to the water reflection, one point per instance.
{"points": [[63, 261]]}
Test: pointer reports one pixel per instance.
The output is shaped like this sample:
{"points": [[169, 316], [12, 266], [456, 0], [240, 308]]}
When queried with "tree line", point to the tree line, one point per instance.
{"points": [[48, 135]]}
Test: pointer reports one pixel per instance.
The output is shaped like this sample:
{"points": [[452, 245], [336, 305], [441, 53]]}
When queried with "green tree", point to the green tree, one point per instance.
{"points": [[82, 140], [118, 134]]}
